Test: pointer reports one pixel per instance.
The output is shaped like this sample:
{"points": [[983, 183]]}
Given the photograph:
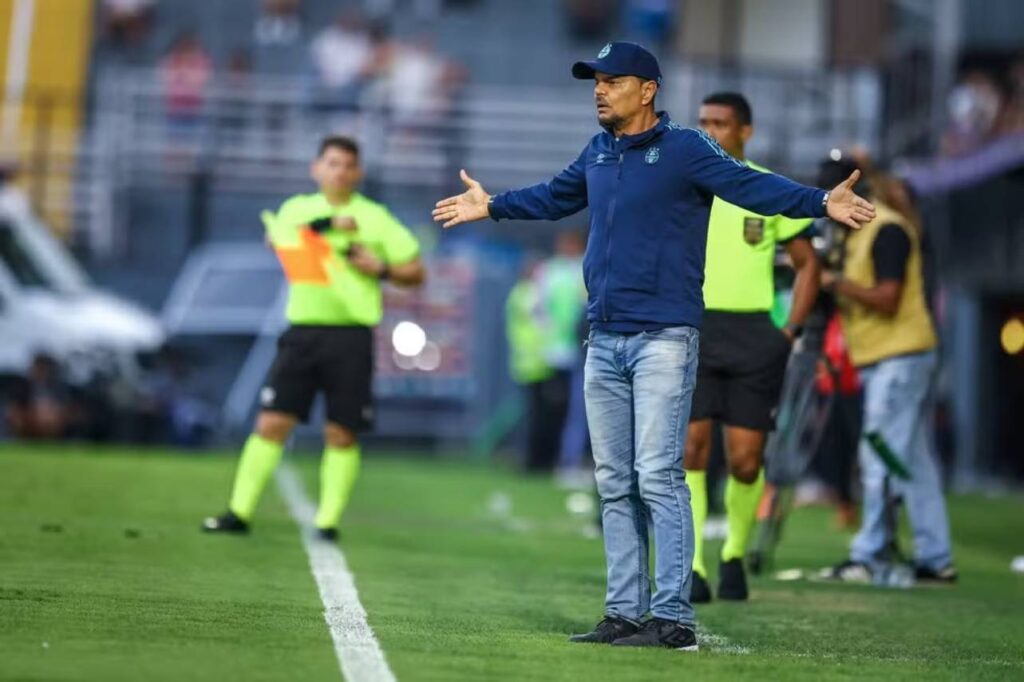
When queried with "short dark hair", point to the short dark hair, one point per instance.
{"points": [[346, 144], [735, 101]]}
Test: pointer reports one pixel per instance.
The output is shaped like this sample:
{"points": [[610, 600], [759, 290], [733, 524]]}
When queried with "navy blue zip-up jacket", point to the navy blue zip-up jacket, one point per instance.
{"points": [[650, 199]]}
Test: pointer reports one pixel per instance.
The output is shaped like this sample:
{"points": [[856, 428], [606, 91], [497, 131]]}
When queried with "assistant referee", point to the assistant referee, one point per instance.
{"points": [[742, 354], [336, 247]]}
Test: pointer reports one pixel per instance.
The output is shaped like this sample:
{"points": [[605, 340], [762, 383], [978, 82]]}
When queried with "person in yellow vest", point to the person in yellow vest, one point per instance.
{"points": [[336, 247], [743, 354], [528, 340], [892, 342]]}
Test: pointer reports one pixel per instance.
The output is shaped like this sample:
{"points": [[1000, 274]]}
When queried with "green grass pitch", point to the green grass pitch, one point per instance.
{"points": [[466, 572]]}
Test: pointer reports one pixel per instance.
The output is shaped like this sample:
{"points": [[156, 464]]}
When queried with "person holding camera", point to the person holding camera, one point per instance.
{"points": [[336, 247], [892, 341]]}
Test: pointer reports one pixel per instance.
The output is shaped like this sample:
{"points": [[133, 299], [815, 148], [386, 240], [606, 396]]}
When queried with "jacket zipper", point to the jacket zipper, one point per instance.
{"points": [[608, 240]]}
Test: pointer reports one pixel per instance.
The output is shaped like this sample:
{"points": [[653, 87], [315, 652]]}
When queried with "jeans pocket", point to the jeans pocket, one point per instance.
{"points": [[682, 334]]}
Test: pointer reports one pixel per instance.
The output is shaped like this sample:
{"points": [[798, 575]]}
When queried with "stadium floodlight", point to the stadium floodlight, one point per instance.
{"points": [[408, 338]]}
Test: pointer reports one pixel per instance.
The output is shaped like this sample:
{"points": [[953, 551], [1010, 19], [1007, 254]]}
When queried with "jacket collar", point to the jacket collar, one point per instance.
{"points": [[641, 139]]}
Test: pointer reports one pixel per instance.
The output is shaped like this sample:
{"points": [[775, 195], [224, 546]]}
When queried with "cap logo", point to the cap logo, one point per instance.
{"points": [[652, 156], [605, 51]]}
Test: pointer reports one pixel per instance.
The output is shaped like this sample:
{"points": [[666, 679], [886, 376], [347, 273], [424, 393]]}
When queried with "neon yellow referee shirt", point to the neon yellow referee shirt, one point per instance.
{"points": [[324, 288], [738, 270]]}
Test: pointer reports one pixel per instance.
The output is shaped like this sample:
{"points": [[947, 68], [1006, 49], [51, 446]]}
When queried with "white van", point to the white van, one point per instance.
{"points": [[48, 304]]}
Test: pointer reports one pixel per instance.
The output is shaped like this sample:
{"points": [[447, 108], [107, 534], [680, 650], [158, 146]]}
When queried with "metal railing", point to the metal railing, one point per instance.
{"points": [[258, 134]]}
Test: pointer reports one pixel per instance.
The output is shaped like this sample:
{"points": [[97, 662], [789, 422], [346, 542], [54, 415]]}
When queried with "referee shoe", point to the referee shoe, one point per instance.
{"points": [[228, 522]]}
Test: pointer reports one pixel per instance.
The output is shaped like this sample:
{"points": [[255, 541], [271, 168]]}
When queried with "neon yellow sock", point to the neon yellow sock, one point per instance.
{"points": [[741, 500], [339, 468], [259, 459], [698, 481]]}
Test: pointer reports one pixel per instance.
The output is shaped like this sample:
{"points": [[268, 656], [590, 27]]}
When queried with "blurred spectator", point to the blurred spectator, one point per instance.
{"points": [[279, 23], [345, 55], [977, 113], [547, 390], [563, 302], [651, 21], [278, 39], [126, 23], [185, 72], [39, 405], [235, 109], [421, 83], [590, 20]]}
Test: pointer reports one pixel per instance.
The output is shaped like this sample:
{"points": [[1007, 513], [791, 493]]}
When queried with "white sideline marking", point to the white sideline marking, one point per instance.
{"points": [[719, 643], [358, 651]]}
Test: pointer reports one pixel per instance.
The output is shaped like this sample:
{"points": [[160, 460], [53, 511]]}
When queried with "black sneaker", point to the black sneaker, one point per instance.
{"points": [[700, 593], [227, 522], [847, 572], [662, 633], [607, 631], [327, 534], [943, 576], [732, 581]]}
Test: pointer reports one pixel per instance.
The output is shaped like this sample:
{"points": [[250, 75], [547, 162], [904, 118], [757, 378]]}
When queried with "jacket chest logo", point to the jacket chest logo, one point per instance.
{"points": [[652, 156], [753, 230]]}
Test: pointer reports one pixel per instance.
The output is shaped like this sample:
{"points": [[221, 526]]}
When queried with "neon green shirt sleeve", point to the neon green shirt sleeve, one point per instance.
{"points": [[787, 228], [398, 243]]}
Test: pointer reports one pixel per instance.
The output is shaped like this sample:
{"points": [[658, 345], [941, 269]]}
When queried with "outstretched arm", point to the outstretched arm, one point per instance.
{"points": [[470, 206], [712, 169], [563, 195]]}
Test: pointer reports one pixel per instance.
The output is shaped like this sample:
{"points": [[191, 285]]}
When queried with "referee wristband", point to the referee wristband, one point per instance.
{"points": [[385, 273]]}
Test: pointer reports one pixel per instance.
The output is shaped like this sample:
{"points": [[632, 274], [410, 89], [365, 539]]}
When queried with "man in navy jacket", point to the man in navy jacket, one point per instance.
{"points": [[649, 184]]}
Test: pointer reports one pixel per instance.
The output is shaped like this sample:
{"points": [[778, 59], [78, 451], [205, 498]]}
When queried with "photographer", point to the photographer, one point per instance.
{"points": [[892, 342]]}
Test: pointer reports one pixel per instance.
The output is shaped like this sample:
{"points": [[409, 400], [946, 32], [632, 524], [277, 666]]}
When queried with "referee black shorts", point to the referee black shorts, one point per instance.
{"points": [[335, 360], [741, 368]]}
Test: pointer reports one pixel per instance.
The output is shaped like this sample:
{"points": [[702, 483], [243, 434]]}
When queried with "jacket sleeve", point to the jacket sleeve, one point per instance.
{"points": [[709, 167], [563, 195]]}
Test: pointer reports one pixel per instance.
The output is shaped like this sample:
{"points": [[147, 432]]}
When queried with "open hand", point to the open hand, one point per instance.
{"points": [[845, 207], [463, 208]]}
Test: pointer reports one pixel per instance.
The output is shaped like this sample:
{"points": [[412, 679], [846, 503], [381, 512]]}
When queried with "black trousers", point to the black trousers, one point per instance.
{"points": [[547, 407]]}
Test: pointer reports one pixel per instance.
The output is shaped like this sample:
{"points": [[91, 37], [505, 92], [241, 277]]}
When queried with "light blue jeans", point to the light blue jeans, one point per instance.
{"points": [[897, 406], [638, 389]]}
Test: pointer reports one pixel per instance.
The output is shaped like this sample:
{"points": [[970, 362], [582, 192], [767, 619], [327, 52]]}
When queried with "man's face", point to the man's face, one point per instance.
{"points": [[720, 122], [337, 171], [620, 98]]}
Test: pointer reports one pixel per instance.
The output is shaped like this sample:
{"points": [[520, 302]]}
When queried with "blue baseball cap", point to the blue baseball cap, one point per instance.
{"points": [[620, 59]]}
